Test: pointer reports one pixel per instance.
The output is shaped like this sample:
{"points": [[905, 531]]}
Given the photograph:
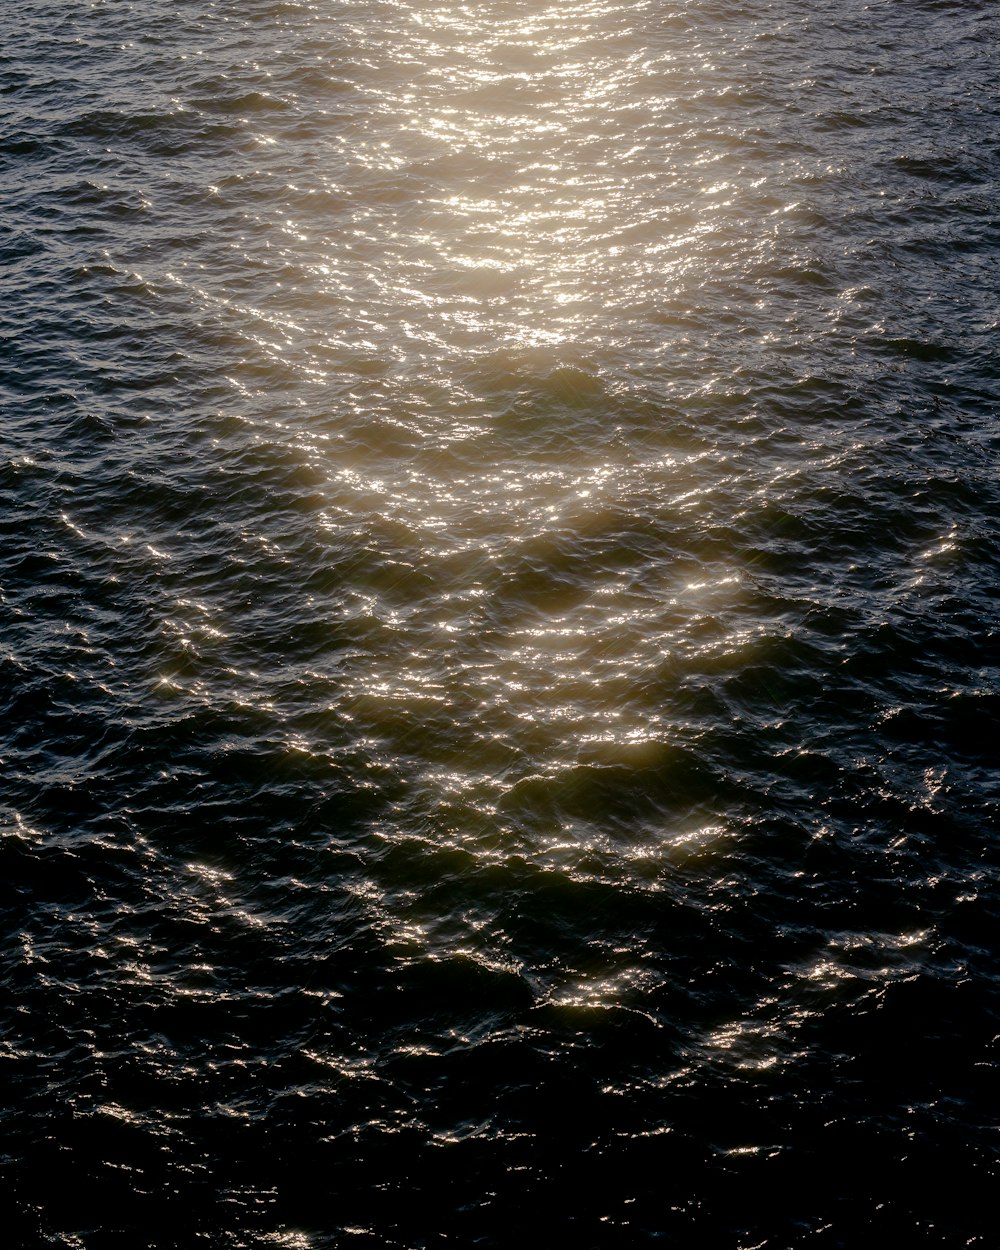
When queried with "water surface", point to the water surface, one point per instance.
{"points": [[500, 638]]}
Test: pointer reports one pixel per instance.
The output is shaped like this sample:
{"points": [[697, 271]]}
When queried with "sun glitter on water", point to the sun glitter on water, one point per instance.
{"points": [[504, 107]]}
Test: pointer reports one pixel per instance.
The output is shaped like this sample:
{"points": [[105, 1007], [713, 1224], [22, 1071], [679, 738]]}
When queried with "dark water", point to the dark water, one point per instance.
{"points": [[499, 663]]}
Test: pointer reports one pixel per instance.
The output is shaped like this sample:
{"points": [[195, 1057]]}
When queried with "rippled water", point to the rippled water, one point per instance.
{"points": [[499, 662]]}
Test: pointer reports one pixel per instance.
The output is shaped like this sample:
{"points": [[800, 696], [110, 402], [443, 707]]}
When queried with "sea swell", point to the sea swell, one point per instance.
{"points": [[498, 561]]}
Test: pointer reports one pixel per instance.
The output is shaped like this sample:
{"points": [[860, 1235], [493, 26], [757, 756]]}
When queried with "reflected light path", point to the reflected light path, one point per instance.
{"points": [[499, 595]]}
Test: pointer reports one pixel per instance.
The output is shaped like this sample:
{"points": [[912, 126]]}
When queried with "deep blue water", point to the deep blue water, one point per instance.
{"points": [[499, 579]]}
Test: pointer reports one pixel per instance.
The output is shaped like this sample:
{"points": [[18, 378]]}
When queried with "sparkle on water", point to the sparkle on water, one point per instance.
{"points": [[500, 654]]}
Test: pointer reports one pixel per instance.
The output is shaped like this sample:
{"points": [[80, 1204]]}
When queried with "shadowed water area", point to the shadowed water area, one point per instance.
{"points": [[499, 589]]}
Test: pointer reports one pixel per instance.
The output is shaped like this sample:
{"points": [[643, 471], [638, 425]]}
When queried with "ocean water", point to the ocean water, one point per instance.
{"points": [[499, 579]]}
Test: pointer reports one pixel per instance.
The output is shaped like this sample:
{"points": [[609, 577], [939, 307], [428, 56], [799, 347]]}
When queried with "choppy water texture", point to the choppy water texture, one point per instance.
{"points": [[499, 654]]}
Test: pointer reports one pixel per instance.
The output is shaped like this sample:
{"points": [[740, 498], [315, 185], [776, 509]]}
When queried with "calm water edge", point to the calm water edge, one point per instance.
{"points": [[500, 596]]}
